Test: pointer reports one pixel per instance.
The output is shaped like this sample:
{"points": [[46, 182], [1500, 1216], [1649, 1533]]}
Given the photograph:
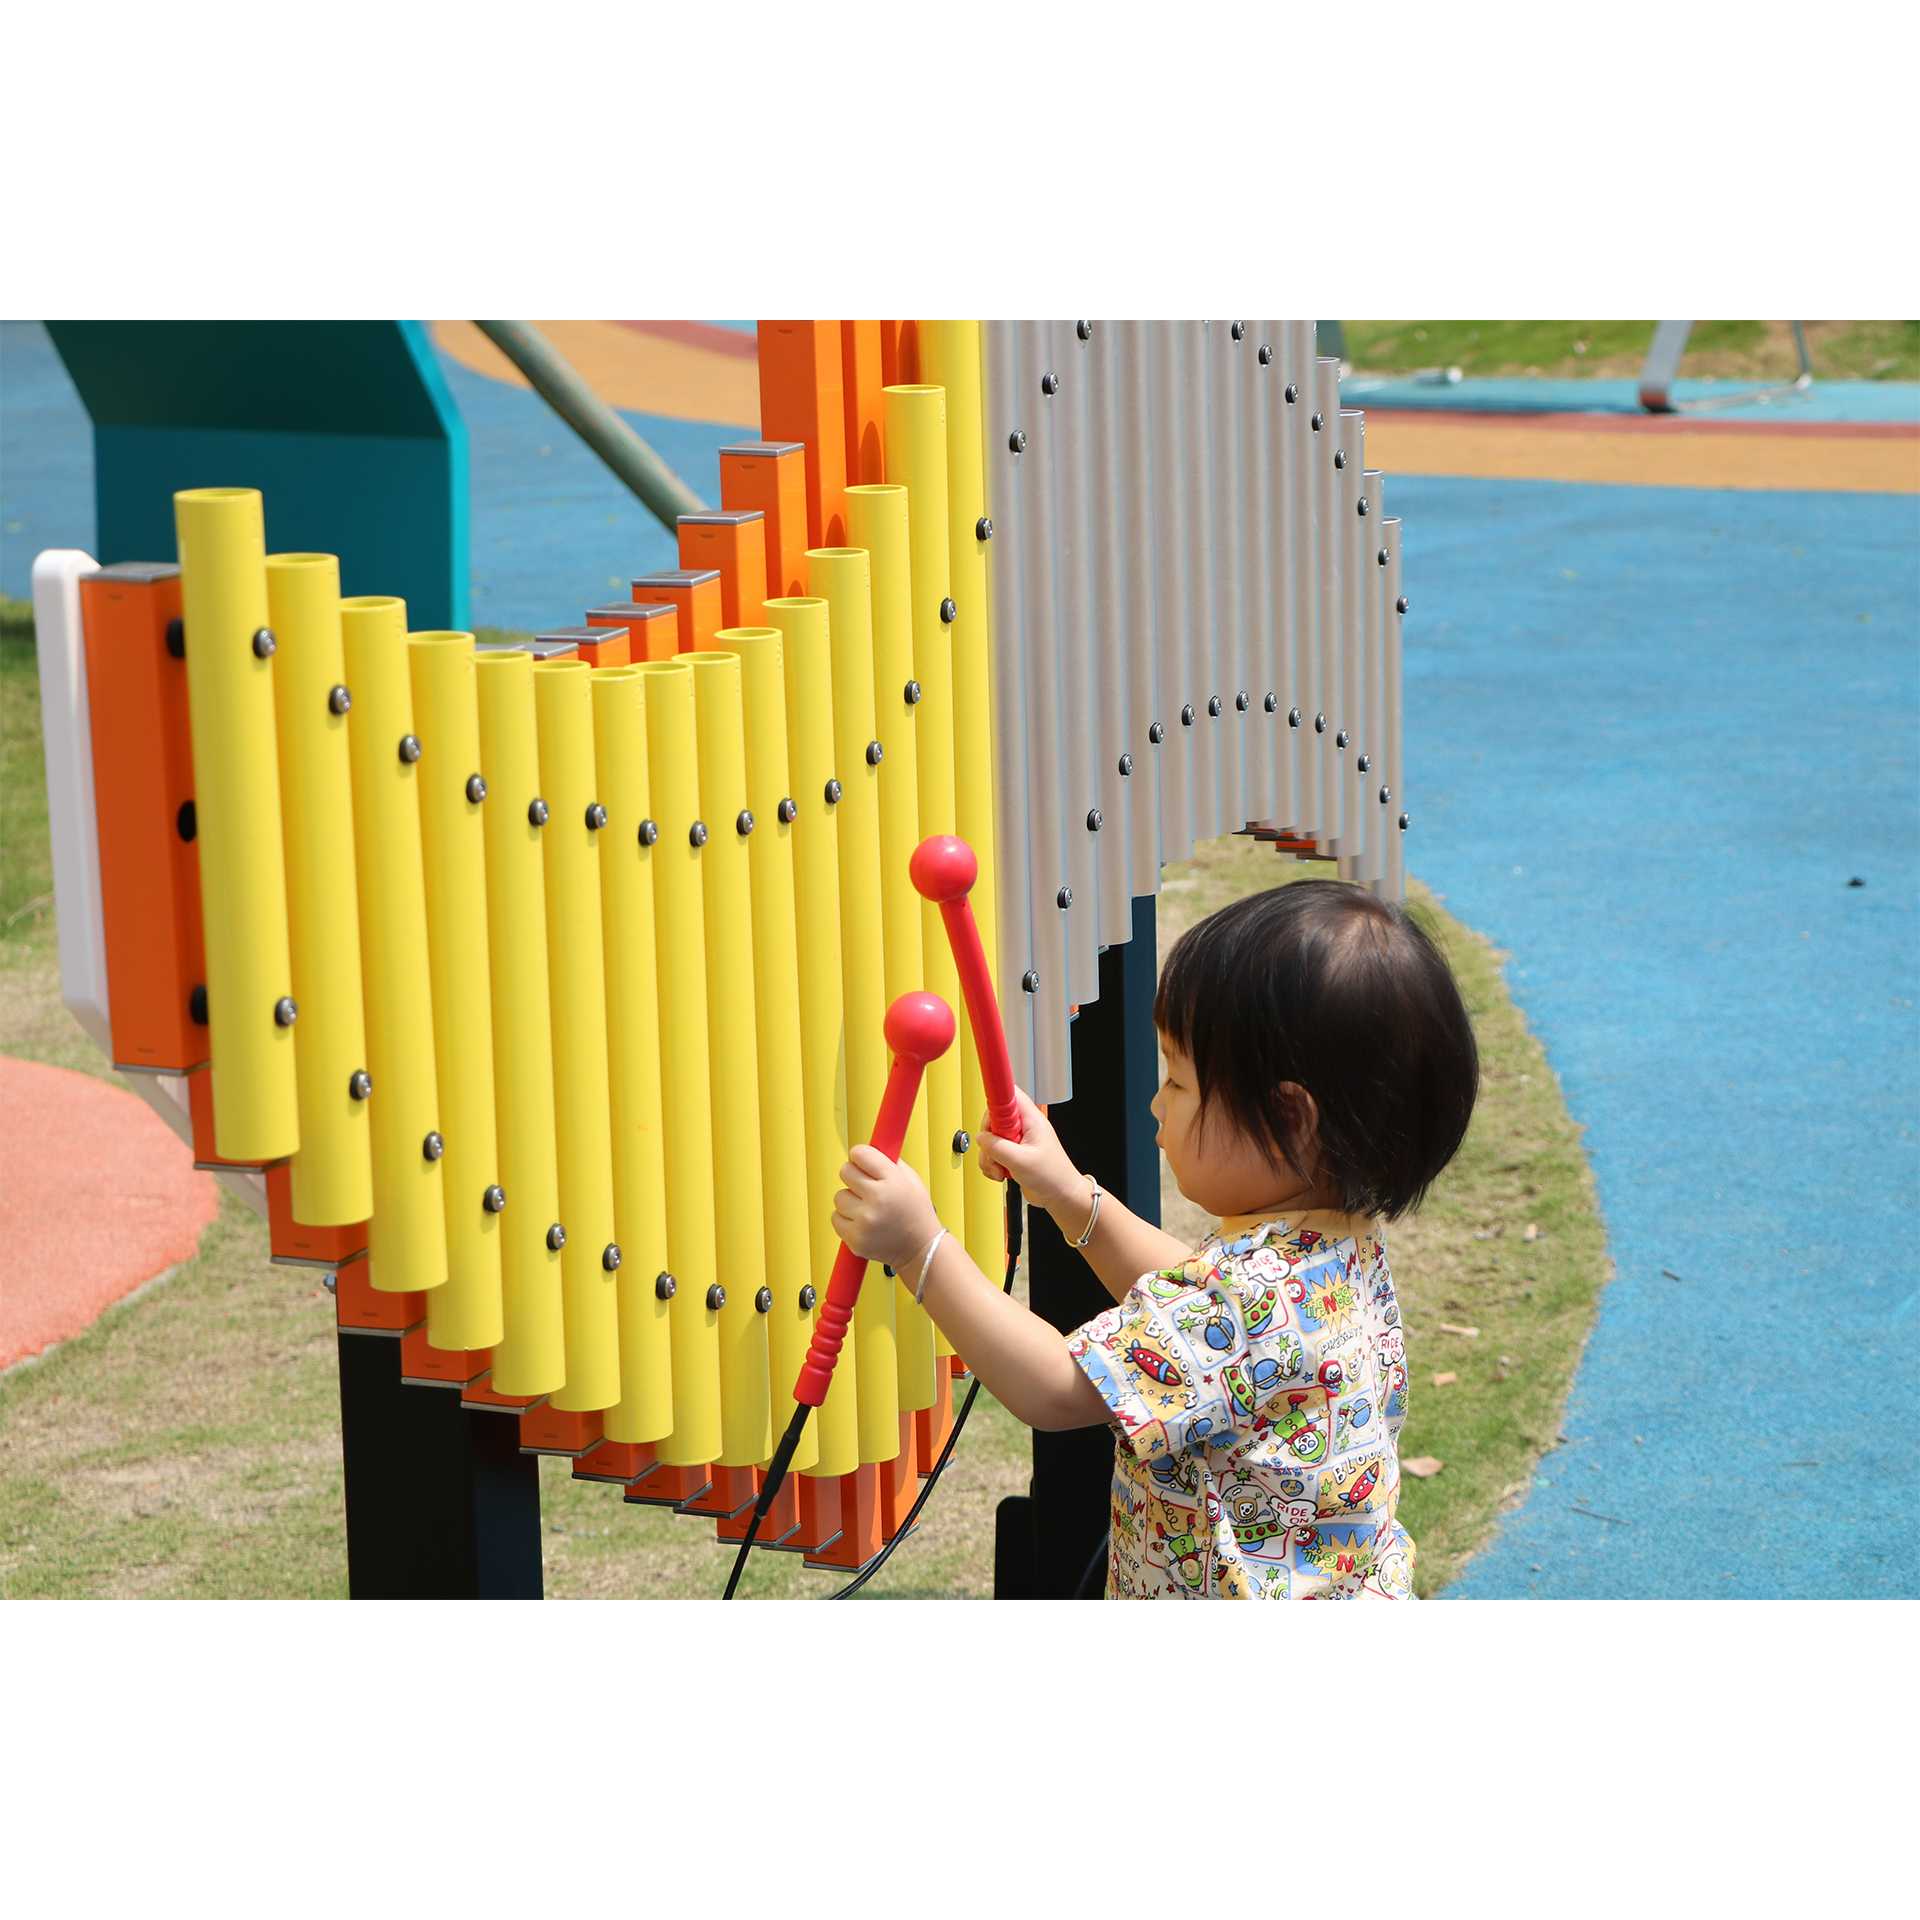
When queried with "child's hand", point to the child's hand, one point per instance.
{"points": [[1037, 1160], [884, 1211]]}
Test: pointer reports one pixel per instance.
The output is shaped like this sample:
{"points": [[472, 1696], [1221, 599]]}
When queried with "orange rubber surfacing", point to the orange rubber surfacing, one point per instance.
{"points": [[97, 1199]]}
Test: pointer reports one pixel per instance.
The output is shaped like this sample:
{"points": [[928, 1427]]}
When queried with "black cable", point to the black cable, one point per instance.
{"points": [[776, 1473]]}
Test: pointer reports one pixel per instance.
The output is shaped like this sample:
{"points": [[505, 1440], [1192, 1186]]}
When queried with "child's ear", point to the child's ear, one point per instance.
{"points": [[1303, 1132]]}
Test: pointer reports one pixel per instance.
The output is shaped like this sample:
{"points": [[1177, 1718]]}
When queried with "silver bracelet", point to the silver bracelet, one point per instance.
{"points": [[926, 1261], [1081, 1243]]}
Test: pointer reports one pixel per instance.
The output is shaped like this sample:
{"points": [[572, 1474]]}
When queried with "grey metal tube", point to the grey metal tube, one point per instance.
{"points": [[635, 464]]}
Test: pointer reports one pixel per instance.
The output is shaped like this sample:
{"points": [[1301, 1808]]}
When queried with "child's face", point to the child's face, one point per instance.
{"points": [[1221, 1170]]}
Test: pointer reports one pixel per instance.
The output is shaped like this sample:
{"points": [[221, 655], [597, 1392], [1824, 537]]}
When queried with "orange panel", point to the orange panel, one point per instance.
{"points": [[478, 1393], [781, 1525], [957, 1365], [359, 1304], [801, 399], [771, 475], [932, 1425], [296, 1245], [733, 1490], [602, 642], [819, 1514], [669, 1486], [861, 379], [899, 352], [200, 1110], [427, 1365], [899, 1482], [694, 594], [861, 1536], [736, 545], [545, 1429], [143, 793], [653, 628], [616, 1461]]}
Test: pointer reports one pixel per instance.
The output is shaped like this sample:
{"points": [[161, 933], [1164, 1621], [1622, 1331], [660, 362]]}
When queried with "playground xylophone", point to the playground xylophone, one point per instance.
{"points": [[536, 991]]}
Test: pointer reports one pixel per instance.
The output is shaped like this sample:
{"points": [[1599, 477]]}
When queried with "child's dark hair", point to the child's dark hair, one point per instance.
{"points": [[1324, 985]]}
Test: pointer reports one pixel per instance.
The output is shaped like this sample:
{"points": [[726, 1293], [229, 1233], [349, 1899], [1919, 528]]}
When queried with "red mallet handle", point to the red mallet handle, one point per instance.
{"points": [[944, 870], [919, 1029]]}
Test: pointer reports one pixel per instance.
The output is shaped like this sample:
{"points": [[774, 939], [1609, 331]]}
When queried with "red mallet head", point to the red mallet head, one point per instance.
{"points": [[920, 1026], [943, 868]]}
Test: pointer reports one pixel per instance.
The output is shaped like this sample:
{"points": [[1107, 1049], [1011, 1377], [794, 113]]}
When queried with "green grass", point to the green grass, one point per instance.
{"points": [[1613, 349], [188, 1443]]}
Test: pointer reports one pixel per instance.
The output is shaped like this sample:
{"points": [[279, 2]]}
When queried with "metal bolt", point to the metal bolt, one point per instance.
{"points": [[1084, 328], [834, 790], [1340, 739], [1016, 441], [1186, 715], [1386, 794], [610, 1257], [186, 823], [1273, 703], [1063, 899], [962, 1141], [949, 613], [697, 834], [494, 1199], [331, 1281], [763, 1300], [716, 1297], [360, 1085], [1266, 356], [556, 1237], [1156, 733], [1380, 558], [1319, 421], [1319, 723], [743, 822], [476, 788], [1213, 706], [432, 1147], [1294, 716], [1365, 762], [197, 1006], [1241, 702], [1049, 384], [1404, 818], [788, 813], [1363, 507], [808, 1299], [284, 1011], [875, 753], [264, 643], [1126, 765], [649, 832], [409, 749], [983, 528], [1293, 393], [1400, 605], [910, 693], [338, 700], [537, 812], [1029, 982], [665, 1286], [596, 817], [1339, 459], [1095, 820], [177, 638]]}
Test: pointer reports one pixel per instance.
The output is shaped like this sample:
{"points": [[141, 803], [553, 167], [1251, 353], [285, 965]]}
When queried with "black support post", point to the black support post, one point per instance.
{"points": [[1045, 1541], [441, 1503]]}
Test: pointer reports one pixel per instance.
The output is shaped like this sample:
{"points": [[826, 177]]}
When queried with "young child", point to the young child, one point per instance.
{"points": [[1320, 1072]]}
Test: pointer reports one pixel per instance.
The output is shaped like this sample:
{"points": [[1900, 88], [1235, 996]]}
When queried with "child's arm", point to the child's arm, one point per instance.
{"points": [[884, 1213], [1123, 1246]]}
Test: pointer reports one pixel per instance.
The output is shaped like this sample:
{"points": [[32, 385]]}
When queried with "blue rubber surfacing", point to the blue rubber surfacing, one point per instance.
{"points": [[1652, 734]]}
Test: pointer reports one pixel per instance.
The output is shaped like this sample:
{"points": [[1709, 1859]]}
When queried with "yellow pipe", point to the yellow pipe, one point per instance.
{"points": [[842, 578], [645, 1409], [466, 1312], [236, 778], [950, 357], [685, 1093], [733, 1052], [789, 1269], [332, 1173], [877, 519], [530, 1357], [407, 1233], [576, 968]]}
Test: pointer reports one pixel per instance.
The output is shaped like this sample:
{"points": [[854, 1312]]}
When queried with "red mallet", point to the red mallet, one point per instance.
{"points": [[944, 870], [919, 1029]]}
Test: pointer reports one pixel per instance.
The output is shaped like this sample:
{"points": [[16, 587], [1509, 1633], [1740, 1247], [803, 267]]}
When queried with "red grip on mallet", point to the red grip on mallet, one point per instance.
{"points": [[944, 870], [919, 1028]]}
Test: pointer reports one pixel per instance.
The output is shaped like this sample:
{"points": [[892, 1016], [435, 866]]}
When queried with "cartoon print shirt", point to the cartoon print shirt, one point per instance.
{"points": [[1257, 1392]]}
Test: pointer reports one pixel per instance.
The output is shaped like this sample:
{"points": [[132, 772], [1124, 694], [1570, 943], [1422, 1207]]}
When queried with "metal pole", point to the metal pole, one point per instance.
{"points": [[658, 488]]}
